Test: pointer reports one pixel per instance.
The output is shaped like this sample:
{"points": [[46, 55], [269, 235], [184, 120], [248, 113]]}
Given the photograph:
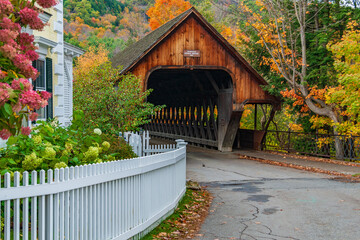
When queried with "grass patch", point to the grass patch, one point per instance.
{"points": [[186, 219]]}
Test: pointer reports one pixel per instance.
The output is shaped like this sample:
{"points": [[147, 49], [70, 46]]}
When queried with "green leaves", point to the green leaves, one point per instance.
{"points": [[53, 146], [11, 141], [7, 108], [112, 102]]}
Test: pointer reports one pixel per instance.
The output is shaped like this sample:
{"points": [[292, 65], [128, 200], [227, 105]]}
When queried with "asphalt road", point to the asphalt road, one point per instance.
{"points": [[258, 201]]}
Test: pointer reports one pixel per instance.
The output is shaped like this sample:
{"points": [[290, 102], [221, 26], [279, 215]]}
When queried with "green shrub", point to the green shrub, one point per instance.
{"points": [[52, 146]]}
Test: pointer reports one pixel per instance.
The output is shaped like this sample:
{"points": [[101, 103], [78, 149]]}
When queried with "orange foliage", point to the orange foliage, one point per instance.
{"points": [[92, 58], [273, 32], [298, 100], [165, 10]]}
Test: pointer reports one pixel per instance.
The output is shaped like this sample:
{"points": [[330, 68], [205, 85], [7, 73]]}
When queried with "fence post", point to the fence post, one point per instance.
{"points": [[289, 139], [180, 143]]}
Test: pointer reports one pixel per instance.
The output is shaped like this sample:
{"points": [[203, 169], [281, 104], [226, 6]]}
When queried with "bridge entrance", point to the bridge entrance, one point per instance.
{"points": [[197, 104], [200, 77]]}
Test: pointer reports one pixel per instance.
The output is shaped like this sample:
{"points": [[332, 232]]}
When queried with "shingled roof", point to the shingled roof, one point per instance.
{"points": [[134, 52]]}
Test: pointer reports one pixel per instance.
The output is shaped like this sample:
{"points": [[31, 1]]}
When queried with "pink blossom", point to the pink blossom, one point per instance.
{"points": [[16, 84], [4, 93], [22, 62], [30, 72], [45, 95], [6, 7], [8, 51], [32, 55], [4, 96], [46, 3], [32, 99], [31, 17], [33, 116], [2, 74], [6, 23], [8, 36], [43, 103], [5, 134], [25, 131], [4, 85], [25, 39], [17, 107]]}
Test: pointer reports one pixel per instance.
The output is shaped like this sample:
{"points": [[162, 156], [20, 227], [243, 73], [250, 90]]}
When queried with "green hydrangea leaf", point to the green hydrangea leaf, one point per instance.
{"points": [[12, 140]]}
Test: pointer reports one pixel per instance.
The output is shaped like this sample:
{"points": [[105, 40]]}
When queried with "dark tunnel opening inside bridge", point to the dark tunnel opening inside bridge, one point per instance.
{"points": [[195, 101]]}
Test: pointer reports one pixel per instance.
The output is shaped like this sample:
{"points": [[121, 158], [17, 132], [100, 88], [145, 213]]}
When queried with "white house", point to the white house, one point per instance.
{"points": [[55, 66]]}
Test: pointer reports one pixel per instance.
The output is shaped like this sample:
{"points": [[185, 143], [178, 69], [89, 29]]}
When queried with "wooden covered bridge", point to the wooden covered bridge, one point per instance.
{"points": [[203, 81]]}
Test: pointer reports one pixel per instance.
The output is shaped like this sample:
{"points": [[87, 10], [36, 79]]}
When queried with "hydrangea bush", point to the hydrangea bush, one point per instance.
{"points": [[18, 100], [52, 146]]}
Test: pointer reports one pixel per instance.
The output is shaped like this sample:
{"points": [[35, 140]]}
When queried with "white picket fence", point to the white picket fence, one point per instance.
{"points": [[114, 200], [140, 142]]}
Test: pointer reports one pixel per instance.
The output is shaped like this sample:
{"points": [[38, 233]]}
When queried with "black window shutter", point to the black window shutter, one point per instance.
{"points": [[33, 81], [49, 86]]}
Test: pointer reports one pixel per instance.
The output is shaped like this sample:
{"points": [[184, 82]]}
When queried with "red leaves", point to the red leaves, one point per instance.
{"points": [[190, 217], [305, 168]]}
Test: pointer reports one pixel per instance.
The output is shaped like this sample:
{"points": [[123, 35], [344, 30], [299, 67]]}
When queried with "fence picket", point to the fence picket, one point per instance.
{"points": [[7, 182], [71, 206], [34, 208], [66, 206], [81, 206], [62, 206], [56, 207], [16, 208], [25, 209], [49, 217], [76, 205]]}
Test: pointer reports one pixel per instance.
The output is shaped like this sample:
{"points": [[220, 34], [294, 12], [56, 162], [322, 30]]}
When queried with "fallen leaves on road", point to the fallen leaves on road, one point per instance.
{"points": [[316, 159], [340, 176], [186, 221]]}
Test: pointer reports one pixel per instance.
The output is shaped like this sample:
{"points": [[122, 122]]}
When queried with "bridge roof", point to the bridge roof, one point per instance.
{"points": [[133, 53]]}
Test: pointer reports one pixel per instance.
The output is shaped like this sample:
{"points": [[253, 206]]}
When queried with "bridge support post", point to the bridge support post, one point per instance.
{"points": [[231, 131], [224, 114]]}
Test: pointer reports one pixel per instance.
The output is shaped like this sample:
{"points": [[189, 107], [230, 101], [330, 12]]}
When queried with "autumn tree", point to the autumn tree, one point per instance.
{"points": [[346, 96], [113, 102], [165, 10], [282, 29]]}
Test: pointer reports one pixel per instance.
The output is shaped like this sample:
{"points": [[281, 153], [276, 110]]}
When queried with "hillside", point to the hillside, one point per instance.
{"points": [[117, 24], [110, 22]]}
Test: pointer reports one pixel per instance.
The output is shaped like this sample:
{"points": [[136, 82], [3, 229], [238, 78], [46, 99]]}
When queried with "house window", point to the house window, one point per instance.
{"points": [[44, 83], [40, 83]]}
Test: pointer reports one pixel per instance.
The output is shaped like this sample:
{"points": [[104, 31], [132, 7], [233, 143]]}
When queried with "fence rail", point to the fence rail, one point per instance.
{"points": [[140, 142], [321, 145], [114, 200]]}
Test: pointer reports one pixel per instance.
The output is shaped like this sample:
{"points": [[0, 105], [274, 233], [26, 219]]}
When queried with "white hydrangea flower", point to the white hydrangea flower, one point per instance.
{"points": [[97, 131]]}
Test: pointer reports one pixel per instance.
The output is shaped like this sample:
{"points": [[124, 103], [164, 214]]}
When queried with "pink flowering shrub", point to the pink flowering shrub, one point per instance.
{"points": [[25, 131], [18, 100], [5, 134]]}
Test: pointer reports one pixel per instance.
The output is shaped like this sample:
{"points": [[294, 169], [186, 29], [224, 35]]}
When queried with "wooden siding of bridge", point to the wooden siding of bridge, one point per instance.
{"points": [[193, 35]]}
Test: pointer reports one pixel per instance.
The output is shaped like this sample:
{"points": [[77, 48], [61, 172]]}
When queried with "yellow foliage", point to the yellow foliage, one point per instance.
{"points": [[92, 58]]}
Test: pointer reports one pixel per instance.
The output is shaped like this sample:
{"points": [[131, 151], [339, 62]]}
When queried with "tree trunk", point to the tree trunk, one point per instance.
{"points": [[338, 141]]}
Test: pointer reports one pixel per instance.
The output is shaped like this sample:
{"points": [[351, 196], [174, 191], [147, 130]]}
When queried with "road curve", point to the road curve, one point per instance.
{"points": [[258, 201]]}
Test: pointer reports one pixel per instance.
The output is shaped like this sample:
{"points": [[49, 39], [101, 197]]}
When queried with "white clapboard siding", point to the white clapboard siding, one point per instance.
{"points": [[114, 200], [68, 91]]}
